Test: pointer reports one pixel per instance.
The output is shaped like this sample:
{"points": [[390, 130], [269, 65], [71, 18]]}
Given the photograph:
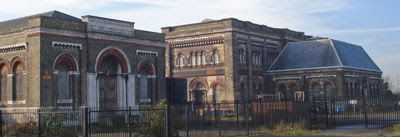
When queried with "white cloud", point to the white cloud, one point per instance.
{"points": [[297, 15]]}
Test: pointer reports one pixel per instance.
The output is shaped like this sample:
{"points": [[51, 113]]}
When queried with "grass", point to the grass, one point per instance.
{"points": [[288, 129]]}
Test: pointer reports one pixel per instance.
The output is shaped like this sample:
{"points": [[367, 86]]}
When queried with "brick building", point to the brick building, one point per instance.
{"points": [[56, 60], [322, 68], [223, 60]]}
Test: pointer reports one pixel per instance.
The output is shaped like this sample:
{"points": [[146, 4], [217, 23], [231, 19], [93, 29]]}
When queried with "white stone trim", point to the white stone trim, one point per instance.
{"points": [[352, 76], [255, 39], [145, 100], [64, 108], [376, 78], [239, 36], [320, 76], [64, 101], [197, 41], [146, 53], [16, 47], [287, 78], [66, 45], [16, 102], [74, 73]]}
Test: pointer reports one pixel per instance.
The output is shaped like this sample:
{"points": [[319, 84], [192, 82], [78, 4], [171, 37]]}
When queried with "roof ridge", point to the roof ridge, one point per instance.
{"points": [[336, 53]]}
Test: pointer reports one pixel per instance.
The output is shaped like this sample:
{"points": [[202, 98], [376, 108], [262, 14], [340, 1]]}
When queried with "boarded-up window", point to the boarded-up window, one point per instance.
{"points": [[144, 83], [63, 82]]}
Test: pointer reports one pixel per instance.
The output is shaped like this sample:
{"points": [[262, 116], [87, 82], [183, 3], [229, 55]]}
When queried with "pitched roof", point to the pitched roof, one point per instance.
{"points": [[21, 22], [323, 53]]}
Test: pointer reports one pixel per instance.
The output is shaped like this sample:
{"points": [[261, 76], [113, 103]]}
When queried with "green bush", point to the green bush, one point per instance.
{"points": [[153, 123]]}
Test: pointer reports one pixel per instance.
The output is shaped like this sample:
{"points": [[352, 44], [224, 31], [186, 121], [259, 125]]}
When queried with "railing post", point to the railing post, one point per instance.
{"points": [[1, 123], [187, 120], [247, 119], [326, 113], [85, 121], [365, 109], [39, 125], [219, 120], [129, 121], [167, 120], [237, 114]]}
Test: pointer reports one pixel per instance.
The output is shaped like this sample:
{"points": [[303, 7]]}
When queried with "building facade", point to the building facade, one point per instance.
{"points": [[223, 60], [56, 60], [323, 69]]}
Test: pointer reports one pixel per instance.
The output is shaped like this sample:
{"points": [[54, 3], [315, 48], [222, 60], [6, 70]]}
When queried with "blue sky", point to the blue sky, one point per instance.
{"points": [[373, 24]]}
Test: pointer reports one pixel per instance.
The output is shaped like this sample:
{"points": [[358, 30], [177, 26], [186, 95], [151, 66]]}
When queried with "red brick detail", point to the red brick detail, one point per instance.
{"points": [[69, 60], [294, 84], [281, 85], [314, 83], [146, 65], [118, 55], [213, 84], [17, 61], [328, 82], [3, 64], [195, 81]]}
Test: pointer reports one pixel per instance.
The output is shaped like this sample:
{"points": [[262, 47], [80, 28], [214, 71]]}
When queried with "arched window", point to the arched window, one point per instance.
{"points": [[316, 91], [17, 81], [3, 80], [216, 93], [203, 58], [198, 56], [65, 64], [179, 60], [63, 82], [282, 89], [328, 90], [242, 56], [215, 57], [192, 59], [146, 73], [293, 88], [242, 86], [356, 90]]}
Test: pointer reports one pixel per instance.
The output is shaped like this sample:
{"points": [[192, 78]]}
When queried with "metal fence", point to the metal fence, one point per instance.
{"points": [[355, 113], [208, 120]]}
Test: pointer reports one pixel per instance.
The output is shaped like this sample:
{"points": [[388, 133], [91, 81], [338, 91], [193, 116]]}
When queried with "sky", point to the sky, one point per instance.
{"points": [[373, 24]]}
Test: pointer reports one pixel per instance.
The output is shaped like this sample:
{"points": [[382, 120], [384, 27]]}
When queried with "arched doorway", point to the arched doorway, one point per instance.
{"points": [[199, 94], [108, 83]]}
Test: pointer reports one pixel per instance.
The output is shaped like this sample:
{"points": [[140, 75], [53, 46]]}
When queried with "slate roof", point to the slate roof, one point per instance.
{"points": [[323, 53], [22, 22]]}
